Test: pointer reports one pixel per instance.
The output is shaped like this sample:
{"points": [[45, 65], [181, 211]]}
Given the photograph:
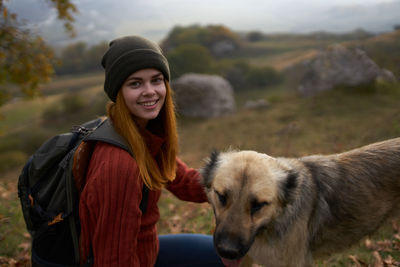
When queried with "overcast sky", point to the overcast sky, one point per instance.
{"points": [[106, 19]]}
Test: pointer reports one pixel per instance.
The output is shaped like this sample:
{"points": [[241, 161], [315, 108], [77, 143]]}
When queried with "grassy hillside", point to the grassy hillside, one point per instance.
{"points": [[292, 126], [281, 51]]}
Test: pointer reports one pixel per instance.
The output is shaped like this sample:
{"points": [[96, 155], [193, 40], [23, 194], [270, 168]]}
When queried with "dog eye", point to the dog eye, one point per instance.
{"points": [[256, 206], [221, 198]]}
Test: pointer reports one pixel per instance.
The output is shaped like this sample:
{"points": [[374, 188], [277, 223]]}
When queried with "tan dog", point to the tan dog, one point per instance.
{"points": [[285, 212]]}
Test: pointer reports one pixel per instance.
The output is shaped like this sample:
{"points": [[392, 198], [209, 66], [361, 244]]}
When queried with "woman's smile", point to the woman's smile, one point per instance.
{"points": [[149, 104]]}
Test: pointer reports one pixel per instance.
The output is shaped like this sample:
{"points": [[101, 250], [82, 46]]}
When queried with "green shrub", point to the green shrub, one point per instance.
{"points": [[12, 159], [262, 77], [255, 36], [190, 58], [236, 77], [70, 104], [9, 142], [97, 105], [51, 113], [362, 89], [32, 140], [235, 73], [206, 36], [25, 141], [243, 76], [73, 103], [388, 88]]}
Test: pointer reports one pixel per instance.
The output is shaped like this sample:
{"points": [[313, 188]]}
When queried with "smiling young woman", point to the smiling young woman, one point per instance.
{"points": [[144, 94], [114, 230], [135, 120]]}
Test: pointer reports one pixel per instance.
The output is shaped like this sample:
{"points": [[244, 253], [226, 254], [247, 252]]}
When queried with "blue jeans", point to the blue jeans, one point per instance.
{"points": [[184, 250]]}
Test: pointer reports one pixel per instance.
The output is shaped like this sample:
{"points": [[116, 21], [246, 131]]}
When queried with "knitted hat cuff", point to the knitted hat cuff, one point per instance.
{"points": [[130, 62]]}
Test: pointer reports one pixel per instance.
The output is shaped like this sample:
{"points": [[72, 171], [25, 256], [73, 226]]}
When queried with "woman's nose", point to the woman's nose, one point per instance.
{"points": [[148, 90]]}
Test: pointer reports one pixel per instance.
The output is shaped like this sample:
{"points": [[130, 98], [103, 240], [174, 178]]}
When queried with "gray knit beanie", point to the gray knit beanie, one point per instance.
{"points": [[127, 55]]}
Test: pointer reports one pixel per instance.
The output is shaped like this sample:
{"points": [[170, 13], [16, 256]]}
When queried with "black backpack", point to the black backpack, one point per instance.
{"points": [[49, 187]]}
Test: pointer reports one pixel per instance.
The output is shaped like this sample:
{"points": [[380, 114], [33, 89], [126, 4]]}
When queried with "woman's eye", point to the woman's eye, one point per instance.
{"points": [[134, 84], [157, 80]]}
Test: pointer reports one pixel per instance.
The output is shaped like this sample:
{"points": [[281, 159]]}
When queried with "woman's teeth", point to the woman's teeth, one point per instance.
{"points": [[146, 104]]}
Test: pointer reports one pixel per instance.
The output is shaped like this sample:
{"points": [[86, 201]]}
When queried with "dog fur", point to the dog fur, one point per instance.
{"points": [[286, 211]]}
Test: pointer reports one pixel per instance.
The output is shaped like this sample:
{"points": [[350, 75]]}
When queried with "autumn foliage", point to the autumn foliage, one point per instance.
{"points": [[25, 59]]}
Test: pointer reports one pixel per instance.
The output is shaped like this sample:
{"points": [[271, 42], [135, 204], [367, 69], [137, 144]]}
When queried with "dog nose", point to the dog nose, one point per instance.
{"points": [[229, 249]]}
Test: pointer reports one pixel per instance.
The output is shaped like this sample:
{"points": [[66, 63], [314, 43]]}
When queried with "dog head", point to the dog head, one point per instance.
{"points": [[248, 191]]}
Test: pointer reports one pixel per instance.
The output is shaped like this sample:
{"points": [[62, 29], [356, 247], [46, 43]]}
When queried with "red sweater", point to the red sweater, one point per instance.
{"points": [[111, 221]]}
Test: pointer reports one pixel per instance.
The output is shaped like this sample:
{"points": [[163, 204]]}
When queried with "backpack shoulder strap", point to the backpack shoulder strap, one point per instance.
{"points": [[105, 132]]}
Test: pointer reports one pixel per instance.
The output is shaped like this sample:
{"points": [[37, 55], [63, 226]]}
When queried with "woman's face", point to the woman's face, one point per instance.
{"points": [[144, 93]]}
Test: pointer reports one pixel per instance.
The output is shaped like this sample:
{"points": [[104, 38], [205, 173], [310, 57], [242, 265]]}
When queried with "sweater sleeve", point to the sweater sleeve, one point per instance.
{"points": [[186, 185], [109, 208]]}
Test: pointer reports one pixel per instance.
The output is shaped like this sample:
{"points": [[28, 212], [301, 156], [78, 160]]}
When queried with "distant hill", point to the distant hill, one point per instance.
{"points": [[278, 50]]}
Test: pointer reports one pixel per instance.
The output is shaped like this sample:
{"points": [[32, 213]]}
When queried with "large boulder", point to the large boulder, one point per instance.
{"points": [[340, 66], [203, 96]]}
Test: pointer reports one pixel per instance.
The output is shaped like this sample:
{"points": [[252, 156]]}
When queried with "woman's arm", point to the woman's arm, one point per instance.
{"points": [[186, 185], [109, 208]]}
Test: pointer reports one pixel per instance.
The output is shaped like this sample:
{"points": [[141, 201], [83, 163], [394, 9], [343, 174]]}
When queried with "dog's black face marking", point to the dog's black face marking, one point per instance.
{"points": [[208, 170], [291, 181], [289, 185]]}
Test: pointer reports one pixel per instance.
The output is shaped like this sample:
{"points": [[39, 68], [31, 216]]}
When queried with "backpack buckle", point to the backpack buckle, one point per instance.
{"points": [[80, 130]]}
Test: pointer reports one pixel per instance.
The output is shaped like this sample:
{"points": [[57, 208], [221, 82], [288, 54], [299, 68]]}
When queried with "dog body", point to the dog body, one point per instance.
{"points": [[285, 212]]}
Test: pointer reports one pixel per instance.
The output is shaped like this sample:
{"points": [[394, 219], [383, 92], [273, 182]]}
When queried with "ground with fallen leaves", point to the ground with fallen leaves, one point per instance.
{"points": [[14, 239]]}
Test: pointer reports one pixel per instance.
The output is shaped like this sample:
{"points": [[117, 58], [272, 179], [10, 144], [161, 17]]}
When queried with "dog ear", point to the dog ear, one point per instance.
{"points": [[288, 187], [207, 172]]}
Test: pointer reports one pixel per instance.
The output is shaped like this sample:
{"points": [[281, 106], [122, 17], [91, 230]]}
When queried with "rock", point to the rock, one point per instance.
{"points": [[340, 66], [203, 96], [387, 76], [223, 47], [256, 104]]}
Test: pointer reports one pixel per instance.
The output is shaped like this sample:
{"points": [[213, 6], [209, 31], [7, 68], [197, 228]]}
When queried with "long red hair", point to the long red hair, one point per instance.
{"points": [[155, 173]]}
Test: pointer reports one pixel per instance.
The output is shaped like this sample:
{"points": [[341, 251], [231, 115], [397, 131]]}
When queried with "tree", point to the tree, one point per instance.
{"points": [[25, 58], [190, 58], [93, 56], [255, 36], [72, 59], [207, 36], [79, 58]]}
